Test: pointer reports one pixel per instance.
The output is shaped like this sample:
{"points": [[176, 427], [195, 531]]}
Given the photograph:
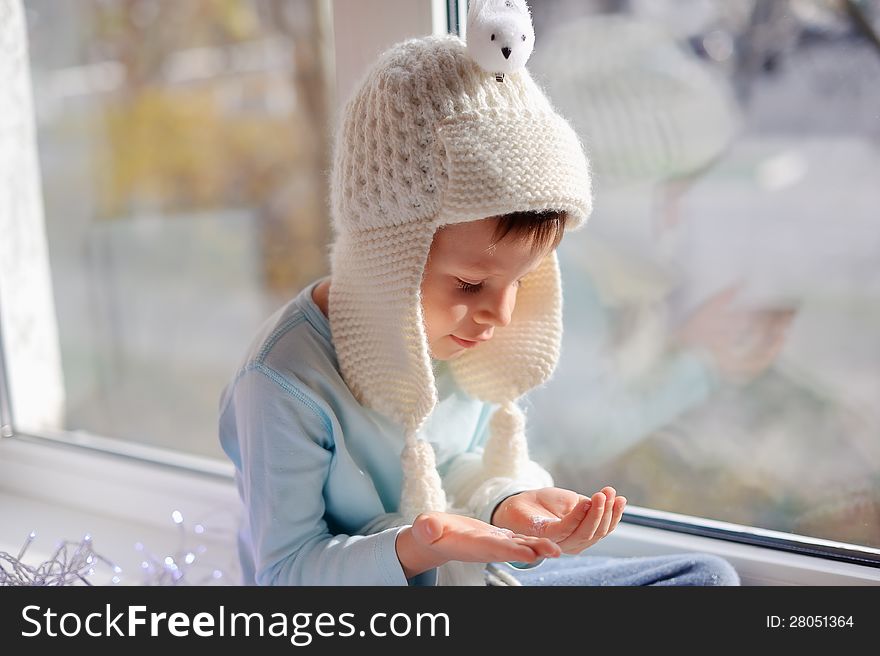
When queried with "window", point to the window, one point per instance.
{"points": [[183, 150], [722, 305]]}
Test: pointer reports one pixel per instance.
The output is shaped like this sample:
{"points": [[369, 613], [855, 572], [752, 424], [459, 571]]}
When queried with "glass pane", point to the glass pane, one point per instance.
{"points": [[182, 147], [722, 306]]}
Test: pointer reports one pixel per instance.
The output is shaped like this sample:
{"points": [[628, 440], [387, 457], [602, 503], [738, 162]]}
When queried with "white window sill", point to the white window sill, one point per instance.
{"points": [[64, 492]]}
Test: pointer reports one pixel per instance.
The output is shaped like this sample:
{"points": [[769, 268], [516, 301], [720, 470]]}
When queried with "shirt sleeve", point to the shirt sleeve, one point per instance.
{"points": [[384, 522], [286, 443]]}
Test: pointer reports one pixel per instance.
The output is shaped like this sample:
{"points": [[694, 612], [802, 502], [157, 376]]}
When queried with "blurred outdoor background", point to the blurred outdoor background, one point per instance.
{"points": [[721, 355]]}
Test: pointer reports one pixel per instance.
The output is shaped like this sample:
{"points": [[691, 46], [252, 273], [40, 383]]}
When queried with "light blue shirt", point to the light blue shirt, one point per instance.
{"points": [[319, 474]]}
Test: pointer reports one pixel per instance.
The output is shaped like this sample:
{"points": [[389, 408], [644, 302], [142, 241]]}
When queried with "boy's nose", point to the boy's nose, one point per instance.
{"points": [[497, 313], [505, 52], [503, 318], [500, 320]]}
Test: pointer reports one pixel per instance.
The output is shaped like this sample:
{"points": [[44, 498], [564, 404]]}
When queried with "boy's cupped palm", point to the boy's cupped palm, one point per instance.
{"points": [[571, 520]]}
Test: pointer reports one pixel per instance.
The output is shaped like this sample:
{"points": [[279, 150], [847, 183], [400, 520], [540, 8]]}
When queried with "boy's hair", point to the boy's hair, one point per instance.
{"points": [[544, 229]]}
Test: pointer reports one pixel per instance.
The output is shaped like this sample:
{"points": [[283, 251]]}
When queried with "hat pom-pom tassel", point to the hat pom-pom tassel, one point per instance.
{"points": [[506, 452], [422, 489]]}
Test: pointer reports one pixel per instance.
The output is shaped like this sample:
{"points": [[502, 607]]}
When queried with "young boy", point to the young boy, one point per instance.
{"points": [[373, 423]]}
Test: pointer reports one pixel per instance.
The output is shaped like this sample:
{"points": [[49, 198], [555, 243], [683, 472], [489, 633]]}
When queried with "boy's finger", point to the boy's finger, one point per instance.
{"points": [[547, 548], [522, 553], [589, 525], [619, 505], [608, 515], [561, 530], [543, 548]]}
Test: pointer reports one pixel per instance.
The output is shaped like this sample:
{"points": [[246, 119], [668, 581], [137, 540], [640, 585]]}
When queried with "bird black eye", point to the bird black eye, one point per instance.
{"points": [[493, 37], [524, 37]]}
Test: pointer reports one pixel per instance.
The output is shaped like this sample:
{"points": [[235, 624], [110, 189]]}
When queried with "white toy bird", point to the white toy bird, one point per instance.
{"points": [[500, 35]]}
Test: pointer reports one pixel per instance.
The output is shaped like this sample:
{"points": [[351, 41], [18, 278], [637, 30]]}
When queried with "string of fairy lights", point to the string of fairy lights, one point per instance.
{"points": [[75, 563], [71, 563]]}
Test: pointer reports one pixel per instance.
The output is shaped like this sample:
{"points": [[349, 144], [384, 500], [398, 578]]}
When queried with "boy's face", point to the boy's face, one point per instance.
{"points": [[469, 286]]}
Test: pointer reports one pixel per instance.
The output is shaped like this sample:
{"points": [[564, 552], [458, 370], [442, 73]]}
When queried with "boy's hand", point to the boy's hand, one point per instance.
{"points": [[571, 520], [447, 536]]}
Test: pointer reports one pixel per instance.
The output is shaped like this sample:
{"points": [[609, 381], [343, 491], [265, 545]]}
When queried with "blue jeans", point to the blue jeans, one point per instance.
{"points": [[672, 569]]}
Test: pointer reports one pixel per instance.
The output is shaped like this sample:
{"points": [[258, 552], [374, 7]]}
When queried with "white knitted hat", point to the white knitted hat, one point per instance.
{"points": [[428, 139]]}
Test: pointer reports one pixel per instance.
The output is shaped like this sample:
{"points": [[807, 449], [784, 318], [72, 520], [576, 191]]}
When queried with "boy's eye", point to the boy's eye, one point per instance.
{"points": [[467, 287], [471, 288]]}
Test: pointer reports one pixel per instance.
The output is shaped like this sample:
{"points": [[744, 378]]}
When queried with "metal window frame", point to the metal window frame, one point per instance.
{"points": [[758, 537]]}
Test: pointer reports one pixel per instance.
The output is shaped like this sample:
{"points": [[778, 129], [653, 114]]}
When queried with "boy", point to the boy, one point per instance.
{"points": [[373, 423]]}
